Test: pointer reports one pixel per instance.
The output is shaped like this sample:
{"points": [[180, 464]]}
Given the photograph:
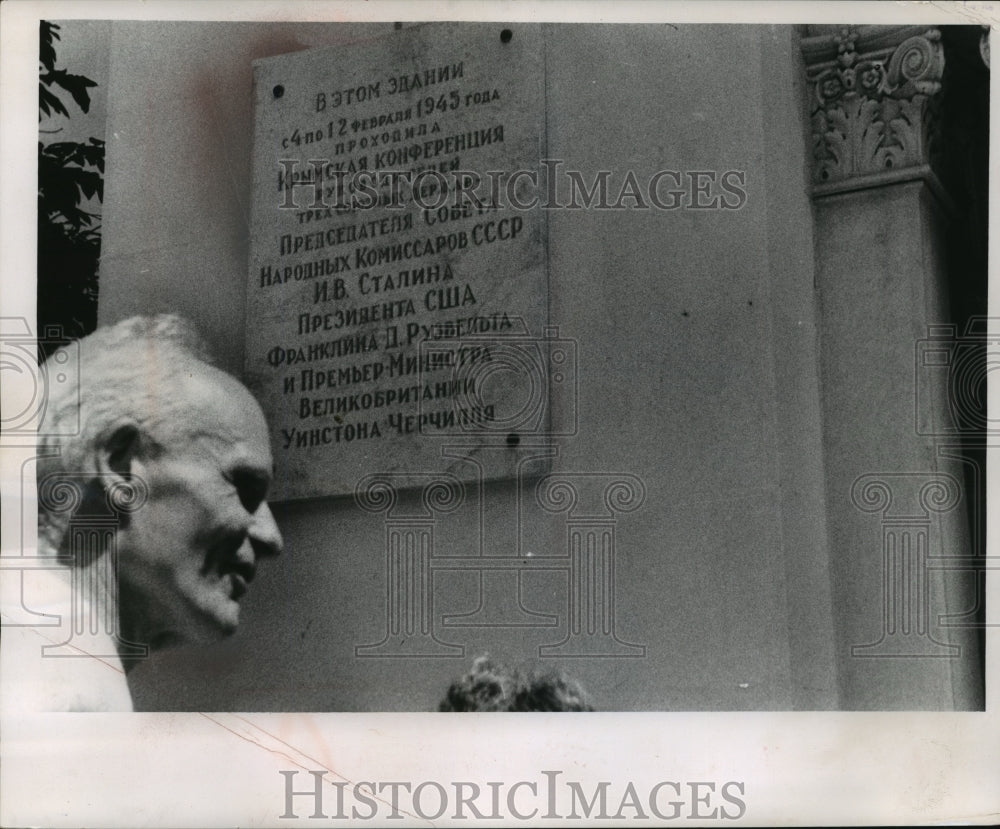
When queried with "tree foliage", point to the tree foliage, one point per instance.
{"points": [[70, 177]]}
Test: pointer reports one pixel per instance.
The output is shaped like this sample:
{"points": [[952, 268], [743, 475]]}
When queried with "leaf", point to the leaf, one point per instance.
{"points": [[75, 85], [67, 278], [48, 32], [96, 154], [62, 187], [71, 152], [69, 238], [90, 184], [49, 103]]}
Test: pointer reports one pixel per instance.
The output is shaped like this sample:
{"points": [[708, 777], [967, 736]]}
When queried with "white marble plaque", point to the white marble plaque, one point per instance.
{"points": [[397, 300]]}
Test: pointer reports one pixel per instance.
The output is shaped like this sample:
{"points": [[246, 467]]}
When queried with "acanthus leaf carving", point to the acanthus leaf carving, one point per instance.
{"points": [[876, 111]]}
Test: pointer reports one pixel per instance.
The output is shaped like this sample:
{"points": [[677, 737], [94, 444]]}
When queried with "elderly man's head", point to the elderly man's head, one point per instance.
{"points": [[155, 416]]}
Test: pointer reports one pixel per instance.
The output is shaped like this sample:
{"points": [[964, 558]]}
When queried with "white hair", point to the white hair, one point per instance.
{"points": [[133, 369]]}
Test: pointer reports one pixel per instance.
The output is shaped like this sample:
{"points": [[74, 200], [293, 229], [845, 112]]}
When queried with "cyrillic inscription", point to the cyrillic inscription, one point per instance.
{"points": [[371, 239]]}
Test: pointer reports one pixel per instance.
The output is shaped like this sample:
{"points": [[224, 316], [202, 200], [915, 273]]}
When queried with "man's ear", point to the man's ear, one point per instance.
{"points": [[118, 449]]}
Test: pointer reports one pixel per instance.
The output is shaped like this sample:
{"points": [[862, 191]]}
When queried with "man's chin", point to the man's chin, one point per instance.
{"points": [[219, 621], [224, 625]]}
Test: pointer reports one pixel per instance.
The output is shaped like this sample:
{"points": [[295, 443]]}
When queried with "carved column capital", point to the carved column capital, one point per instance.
{"points": [[872, 92]]}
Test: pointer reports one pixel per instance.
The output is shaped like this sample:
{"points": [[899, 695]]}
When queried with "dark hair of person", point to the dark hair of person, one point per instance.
{"points": [[493, 687]]}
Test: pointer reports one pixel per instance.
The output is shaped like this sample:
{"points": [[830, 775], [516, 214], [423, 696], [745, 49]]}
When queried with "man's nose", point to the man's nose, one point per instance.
{"points": [[264, 533]]}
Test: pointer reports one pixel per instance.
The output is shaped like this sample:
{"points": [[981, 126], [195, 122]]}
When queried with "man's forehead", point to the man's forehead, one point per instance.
{"points": [[217, 405], [214, 385]]}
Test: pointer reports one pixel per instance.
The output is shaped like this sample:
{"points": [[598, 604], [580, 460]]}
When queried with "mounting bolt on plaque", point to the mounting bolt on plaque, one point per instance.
{"points": [[506, 35], [278, 91]]}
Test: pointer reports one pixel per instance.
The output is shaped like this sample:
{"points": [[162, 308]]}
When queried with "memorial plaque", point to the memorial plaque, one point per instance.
{"points": [[397, 298]]}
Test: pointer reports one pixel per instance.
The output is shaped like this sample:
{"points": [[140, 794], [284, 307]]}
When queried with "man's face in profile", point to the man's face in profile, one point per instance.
{"points": [[191, 550]]}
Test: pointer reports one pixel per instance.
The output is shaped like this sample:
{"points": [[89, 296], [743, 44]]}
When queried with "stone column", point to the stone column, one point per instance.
{"points": [[880, 217]]}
